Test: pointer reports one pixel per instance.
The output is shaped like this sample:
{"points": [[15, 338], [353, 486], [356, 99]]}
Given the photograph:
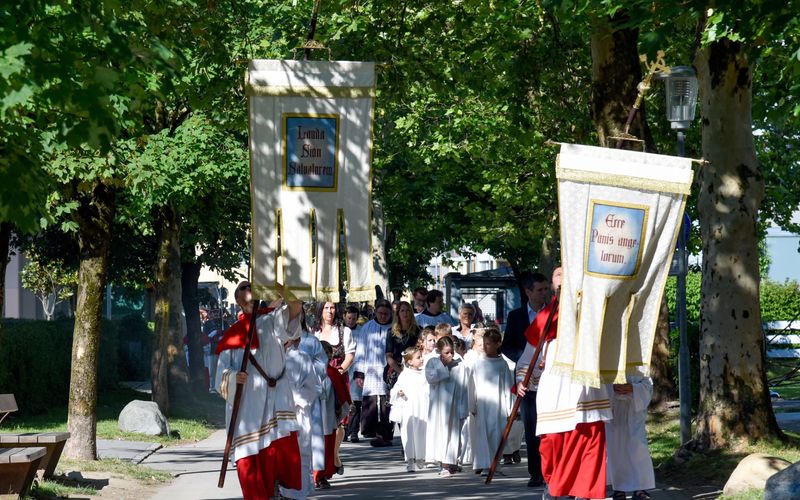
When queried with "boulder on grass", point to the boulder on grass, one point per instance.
{"points": [[143, 417], [784, 485], [752, 473]]}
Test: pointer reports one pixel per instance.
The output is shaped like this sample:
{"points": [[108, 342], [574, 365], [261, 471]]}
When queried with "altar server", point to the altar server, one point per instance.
{"points": [[447, 409], [630, 466], [410, 398], [490, 384]]}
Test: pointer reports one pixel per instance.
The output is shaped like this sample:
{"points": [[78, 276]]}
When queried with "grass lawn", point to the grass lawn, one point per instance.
{"points": [[713, 468], [788, 389], [189, 421]]}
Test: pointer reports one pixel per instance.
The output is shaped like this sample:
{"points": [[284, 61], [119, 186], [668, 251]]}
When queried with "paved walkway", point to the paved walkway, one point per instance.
{"points": [[370, 473]]}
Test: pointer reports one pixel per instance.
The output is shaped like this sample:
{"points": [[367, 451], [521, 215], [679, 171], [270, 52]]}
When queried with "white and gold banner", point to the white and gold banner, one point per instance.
{"points": [[620, 214], [310, 157]]}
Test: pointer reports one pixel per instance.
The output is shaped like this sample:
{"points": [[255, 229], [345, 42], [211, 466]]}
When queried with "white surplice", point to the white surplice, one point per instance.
{"points": [[447, 409], [306, 388], [411, 411], [266, 413], [490, 385], [630, 467], [311, 345], [372, 358]]}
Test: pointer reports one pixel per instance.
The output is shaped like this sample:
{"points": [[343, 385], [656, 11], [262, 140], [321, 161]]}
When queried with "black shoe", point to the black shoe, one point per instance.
{"points": [[507, 460], [379, 442], [322, 484], [516, 457], [354, 439], [536, 482]]}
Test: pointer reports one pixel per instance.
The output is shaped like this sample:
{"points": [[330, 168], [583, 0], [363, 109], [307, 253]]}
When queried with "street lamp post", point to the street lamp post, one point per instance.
{"points": [[681, 90]]}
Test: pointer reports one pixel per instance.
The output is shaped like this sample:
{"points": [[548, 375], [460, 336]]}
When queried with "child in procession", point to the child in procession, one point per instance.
{"points": [[447, 409], [409, 399], [490, 400]]}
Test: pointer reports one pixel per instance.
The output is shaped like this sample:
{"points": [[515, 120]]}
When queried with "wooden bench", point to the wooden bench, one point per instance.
{"points": [[17, 468], [52, 442]]}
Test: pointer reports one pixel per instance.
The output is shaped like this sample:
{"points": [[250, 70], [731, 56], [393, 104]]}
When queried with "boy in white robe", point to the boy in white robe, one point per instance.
{"points": [[447, 377], [410, 398], [630, 467], [306, 389], [490, 385]]}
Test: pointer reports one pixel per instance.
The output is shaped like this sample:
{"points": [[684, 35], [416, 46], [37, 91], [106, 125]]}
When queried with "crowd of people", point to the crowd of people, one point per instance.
{"points": [[323, 375]]}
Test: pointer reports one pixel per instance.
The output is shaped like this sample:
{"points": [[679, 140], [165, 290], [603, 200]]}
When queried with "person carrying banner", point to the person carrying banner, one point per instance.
{"points": [[570, 420], [265, 445], [540, 311]]}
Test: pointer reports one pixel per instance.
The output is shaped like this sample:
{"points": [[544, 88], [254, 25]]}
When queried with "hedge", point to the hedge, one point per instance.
{"points": [[35, 358]]}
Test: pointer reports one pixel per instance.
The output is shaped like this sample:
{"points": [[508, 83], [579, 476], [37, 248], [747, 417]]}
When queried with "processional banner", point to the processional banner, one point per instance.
{"points": [[620, 214], [310, 157]]}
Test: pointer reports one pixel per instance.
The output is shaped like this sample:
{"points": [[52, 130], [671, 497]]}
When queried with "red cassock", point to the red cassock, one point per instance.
{"points": [[573, 462]]}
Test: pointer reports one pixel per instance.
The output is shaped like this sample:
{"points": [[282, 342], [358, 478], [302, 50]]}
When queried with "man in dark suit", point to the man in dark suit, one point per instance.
{"points": [[537, 291]]}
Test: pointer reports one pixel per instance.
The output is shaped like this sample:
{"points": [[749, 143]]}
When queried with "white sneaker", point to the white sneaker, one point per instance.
{"points": [[411, 466], [444, 473], [420, 464]]}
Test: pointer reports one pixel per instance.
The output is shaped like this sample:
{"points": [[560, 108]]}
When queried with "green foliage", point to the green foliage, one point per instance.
{"points": [[780, 301], [72, 74], [35, 361], [50, 280]]}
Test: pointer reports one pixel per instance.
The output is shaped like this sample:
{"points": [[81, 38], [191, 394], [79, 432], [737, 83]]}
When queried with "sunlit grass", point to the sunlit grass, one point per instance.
{"points": [[712, 468], [189, 421]]}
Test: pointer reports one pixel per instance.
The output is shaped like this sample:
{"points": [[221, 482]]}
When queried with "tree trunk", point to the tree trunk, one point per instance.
{"points": [[664, 389], [94, 216], [190, 274], [616, 73], [5, 249], [734, 397], [170, 377]]}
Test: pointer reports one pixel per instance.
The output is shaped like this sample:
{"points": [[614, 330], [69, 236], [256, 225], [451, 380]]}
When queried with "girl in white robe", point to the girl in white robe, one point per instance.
{"points": [[490, 385], [630, 467], [306, 389], [410, 399], [448, 406]]}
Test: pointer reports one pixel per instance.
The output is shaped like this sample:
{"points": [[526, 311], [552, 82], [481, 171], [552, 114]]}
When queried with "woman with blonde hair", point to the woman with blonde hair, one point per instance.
{"points": [[404, 334]]}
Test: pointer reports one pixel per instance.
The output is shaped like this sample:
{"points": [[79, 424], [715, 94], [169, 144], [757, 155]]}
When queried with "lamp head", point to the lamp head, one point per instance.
{"points": [[681, 89]]}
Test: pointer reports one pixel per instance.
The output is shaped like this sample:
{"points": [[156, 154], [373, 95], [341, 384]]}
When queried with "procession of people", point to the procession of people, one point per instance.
{"points": [[446, 386]]}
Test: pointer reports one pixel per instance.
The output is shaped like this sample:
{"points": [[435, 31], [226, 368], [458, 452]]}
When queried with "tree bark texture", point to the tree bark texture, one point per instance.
{"points": [[616, 73], [170, 377], [5, 249], [95, 216], [734, 398], [664, 389], [190, 274]]}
